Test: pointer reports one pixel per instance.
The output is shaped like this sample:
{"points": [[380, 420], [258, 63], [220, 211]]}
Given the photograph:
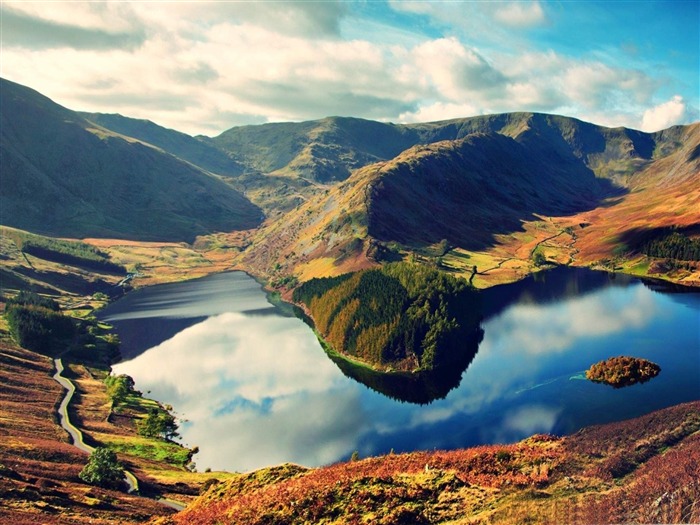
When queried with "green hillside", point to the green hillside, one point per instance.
{"points": [[65, 176], [468, 190], [398, 317], [196, 150], [329, 149], [324, 150]]}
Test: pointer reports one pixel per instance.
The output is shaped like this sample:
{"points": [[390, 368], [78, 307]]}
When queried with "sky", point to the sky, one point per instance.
{"points": [[204, 67]]}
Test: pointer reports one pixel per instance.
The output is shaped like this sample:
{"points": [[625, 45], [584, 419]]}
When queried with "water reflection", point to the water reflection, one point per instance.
{"points": [[252, 393], [259, 390], [170, 308], [422, 387]]}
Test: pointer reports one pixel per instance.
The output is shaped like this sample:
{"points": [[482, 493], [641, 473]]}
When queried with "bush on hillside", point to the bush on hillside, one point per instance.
{"points": [[103, 469], [37, 323]]}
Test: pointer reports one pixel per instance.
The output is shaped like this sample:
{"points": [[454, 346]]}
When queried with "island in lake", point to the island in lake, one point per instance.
{"points": [[622, 371]]}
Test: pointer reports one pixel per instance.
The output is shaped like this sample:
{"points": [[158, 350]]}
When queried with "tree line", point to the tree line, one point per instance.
{"points": [[73, 253], [37, 323], [402, 315], [675, 245]]}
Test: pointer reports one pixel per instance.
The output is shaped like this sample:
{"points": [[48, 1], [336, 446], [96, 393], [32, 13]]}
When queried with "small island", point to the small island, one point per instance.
{"points": [[622, 371]]}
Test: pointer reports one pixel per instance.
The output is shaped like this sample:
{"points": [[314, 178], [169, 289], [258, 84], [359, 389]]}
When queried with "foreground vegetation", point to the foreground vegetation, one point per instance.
{"points": [[645, 470], [44, 479]]}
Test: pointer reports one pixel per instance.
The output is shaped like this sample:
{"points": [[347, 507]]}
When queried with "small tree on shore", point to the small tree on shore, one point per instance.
{"points": [[103, 469], [158, 424]]}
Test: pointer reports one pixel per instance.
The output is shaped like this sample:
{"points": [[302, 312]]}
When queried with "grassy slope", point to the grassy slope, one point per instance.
{"points": [[322, 150], [63, 175], [644, 470], [39, 468], [197, 151], [331, 148]]}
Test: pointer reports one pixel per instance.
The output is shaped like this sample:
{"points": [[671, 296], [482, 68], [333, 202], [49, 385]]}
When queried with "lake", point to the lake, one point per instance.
{"points": [[253, 387]]}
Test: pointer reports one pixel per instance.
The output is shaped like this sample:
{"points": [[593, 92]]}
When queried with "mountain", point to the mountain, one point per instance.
{"points": [[490, 178], [324, 150], [342, 194], [330, 149], [66, 176], [191, 149], [465, 191]]}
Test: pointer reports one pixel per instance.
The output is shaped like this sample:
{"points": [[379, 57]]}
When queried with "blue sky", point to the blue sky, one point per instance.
{"points": [[203, 67]]}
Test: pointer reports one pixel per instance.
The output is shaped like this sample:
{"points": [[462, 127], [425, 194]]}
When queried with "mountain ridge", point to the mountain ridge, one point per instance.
{"points": [[343, 193], [65, 176]]}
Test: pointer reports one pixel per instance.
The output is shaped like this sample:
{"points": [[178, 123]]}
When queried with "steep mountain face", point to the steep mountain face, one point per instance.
{"points": [[467, 190], [192, 149], [330, 149], [65, 176]]}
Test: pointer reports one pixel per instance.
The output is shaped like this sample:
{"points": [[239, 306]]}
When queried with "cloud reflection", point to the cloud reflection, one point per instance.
{"points": [[542, 329], [252, 393], [522, 348]]}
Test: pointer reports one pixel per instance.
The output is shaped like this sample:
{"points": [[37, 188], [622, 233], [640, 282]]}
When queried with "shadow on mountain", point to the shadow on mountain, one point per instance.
{"points": [[468, 191], [635, 239], [69, 282]]}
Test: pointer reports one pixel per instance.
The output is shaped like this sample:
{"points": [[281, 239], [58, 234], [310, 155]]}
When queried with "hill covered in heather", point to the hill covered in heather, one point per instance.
{"points": [[644, 470]]}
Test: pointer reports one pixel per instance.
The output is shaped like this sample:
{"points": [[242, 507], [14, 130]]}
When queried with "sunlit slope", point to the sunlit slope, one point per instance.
{"points": [[324, 150], [665, 194], [64, 176]]}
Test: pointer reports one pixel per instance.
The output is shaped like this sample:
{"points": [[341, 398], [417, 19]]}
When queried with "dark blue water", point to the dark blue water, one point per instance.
{"points": [[253, 387]]}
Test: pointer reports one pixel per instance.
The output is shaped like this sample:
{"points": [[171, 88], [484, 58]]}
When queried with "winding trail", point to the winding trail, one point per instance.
{"points": [[75, 434]]}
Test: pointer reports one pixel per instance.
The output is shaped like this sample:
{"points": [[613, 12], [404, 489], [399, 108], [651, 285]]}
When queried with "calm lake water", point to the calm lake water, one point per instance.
{"points": [[253, 386]]}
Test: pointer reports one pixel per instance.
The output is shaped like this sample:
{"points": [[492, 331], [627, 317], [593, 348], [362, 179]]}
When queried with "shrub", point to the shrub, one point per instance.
{"points": [[158, 424], [103, 469], [37, 324]]}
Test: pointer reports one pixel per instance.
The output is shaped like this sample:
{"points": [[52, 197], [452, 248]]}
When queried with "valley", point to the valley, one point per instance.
{"points": [[410, 247]]}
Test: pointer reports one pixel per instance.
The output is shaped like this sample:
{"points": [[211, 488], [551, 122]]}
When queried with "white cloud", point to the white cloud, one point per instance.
{"points": [[665, 115], [242, 382], [438, 111], [542, 329], [203, 69], [520, 14]]}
